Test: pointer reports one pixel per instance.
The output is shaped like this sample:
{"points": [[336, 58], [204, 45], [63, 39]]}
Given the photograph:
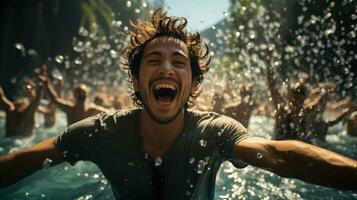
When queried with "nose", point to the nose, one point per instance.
{"points": [[166, 68]]}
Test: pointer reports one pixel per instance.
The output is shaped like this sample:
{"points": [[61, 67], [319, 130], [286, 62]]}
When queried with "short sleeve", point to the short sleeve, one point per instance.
{"points": [[76, 142], [230, 133]]}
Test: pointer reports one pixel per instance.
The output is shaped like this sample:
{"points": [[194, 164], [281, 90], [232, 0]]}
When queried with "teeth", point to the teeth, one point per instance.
{"points": [[165, 85]]}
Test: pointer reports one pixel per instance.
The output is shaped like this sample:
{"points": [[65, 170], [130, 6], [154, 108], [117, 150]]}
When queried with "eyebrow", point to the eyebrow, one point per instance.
{"points": [[157, 53]]}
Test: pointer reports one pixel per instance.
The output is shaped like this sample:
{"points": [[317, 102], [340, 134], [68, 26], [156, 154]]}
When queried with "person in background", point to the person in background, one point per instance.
{"points": [[289, 110], [242, 111], [49, 110], [75, 110], [315, 124], [20, 114]]}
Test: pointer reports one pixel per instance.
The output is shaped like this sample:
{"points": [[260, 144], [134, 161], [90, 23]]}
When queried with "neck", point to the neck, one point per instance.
{"points": [[157, 138]]}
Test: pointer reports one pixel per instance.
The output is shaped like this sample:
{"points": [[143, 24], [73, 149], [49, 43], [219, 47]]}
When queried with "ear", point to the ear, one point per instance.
{"points": [[136, 84]]}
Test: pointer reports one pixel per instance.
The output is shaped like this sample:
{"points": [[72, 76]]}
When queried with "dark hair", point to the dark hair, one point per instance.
{"points": [[162, 25]]}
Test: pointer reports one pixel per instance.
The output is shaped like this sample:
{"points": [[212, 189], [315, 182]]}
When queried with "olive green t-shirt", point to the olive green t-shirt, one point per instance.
{"points": [[187, 170]]}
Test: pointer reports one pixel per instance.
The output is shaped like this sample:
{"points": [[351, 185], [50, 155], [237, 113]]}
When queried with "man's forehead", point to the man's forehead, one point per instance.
{"points": [[165, 44]]}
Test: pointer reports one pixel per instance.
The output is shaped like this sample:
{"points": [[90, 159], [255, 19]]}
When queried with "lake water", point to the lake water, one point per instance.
{"points": [[85, 181]]}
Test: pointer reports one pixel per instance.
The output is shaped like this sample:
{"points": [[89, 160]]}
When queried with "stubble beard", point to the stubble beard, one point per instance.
{"points": [[163, 121]]}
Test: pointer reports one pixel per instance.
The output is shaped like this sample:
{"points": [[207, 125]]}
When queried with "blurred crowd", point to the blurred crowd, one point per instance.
{"points": [[302, 111]]}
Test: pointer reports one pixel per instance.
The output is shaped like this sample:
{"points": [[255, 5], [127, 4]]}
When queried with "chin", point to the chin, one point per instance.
{"points": [[163, 117]]}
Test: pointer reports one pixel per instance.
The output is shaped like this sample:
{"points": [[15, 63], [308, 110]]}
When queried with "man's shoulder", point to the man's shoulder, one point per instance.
{"points": [[209, 117], [117, 116], [105, 122]]}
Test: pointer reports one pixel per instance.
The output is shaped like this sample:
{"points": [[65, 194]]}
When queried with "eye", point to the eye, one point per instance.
{"points": [[179, 63], [153, 62]]}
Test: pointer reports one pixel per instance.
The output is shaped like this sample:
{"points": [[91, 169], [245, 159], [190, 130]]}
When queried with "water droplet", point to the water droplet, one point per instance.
{"points": [[114, 54], [43, 195], [259, 155], [200, 166], [116, 23], [203, 143], [83, 31], [46, 163], [64, 153], [158, 161], [59, 59], [223, 196], [32, 52], [128, 4], [130, 164], [146, 156], [78, 61], [20, 47], [225, 13], [104, 181], [192, 160]]}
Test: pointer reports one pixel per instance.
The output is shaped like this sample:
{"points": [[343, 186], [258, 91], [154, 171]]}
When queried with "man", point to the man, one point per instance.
{"points": [[163, 150], [20, 114], [78, 109]]}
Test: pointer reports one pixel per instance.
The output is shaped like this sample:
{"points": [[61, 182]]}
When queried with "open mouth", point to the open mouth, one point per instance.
{"points": [[164, 92]]}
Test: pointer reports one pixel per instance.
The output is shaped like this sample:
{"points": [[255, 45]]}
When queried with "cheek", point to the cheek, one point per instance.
{"points": [[187, 83]]}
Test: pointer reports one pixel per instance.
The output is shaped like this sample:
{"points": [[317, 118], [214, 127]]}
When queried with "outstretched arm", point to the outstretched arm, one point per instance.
{"points": [[295, 159], [18, 165], [5, 103]]}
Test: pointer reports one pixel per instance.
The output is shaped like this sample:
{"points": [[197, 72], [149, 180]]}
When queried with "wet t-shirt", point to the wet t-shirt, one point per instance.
{"points": [[186, 171]]}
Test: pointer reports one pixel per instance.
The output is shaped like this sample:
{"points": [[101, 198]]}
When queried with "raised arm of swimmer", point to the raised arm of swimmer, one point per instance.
{"points": [[295, 159], [275, 95], [63, 104], [340, 117], [18, 165], [5, 103]]}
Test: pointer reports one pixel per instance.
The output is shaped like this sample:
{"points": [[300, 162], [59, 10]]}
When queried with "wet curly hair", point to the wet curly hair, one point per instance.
{"points": [[162, 25]]}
